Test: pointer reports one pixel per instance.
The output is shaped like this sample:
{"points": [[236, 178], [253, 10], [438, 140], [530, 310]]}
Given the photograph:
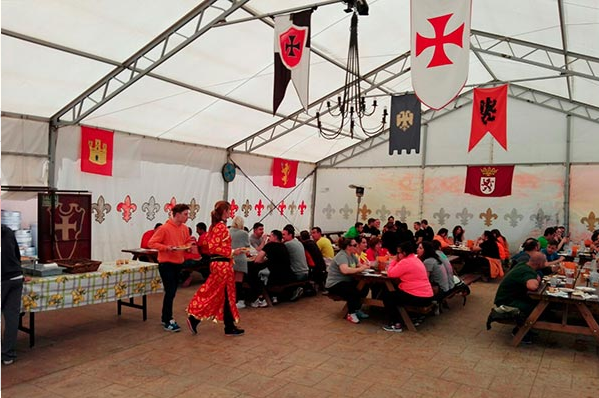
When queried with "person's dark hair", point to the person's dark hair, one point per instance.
{"points": [[552, 242], [490, 236], [424, 221], [317, 229], [304, 235], [371, 220], [549, 231], [201, 226], [216, 215], [358, 224], [407, 247], [344, 242], [179, 208], [443, 231], [257, 225], [290, 229], [458, 236], [429, 251], [158, 225], [595, 235], [373, 242], [278, 234], [436, 244], [417, 223], [190, 231], [398, 224], [530, 244], [360, 238]]}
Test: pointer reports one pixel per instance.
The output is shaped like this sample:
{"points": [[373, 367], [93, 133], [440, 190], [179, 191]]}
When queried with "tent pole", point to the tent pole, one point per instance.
{"points": [[422, 170], [313, 198], [567, 177], [52, 142]]}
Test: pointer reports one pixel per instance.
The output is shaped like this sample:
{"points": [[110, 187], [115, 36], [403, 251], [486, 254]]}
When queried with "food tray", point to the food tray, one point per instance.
{"points": [[78, 265]]}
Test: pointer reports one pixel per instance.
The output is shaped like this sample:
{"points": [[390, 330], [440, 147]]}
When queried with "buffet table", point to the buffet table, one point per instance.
{"points": [[109, 283]]}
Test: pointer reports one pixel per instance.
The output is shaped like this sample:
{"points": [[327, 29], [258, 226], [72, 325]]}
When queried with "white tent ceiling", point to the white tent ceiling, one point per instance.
{"points": [[116, 64]]}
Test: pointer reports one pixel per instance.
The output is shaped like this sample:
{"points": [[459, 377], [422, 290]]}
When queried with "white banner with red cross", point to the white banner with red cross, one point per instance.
{"points": [[440, 40]]}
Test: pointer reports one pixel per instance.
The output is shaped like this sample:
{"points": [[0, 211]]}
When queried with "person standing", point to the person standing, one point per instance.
{"points": [[215, 299], [239, 239], [169, 240], [12, 287]]}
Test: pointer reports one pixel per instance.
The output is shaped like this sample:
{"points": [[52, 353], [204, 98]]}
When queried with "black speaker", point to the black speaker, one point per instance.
{"points": [[359, 192]]}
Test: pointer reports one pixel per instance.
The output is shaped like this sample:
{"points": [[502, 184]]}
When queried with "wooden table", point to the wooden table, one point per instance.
{"points": [[586, 308], [377, 278], [150, 255]]}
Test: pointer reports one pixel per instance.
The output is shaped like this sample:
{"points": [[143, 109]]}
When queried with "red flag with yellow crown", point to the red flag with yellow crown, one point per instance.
{"points": [[96, 151], [489, 180], [284, 172]]}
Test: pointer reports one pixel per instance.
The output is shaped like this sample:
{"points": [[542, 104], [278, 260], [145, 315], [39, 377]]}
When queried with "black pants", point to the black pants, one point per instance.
{"points": [[228, 316], [169, 272], [476, 265], [400, 298], [11, 308], [350, 293]]}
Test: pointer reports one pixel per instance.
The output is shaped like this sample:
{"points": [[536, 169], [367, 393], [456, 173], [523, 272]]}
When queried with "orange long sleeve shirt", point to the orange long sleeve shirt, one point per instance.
{"points": [[168, 235]]}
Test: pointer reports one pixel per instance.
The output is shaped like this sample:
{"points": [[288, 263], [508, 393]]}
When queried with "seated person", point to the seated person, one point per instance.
{"points": [[375, 249], [561, 237], [529, 246], [372, 227], [446, 264], [275, 258], [145, 238], [551, 257], [547, 236], [361, 250], [323, 243], [340, 281], [458, 235], [257, 237], [486, 247], [403, 233], [389, 238], [521, 279], [419, 232], [437, 273], [317, 270], [595, 241], [502, 245], [354, 231], [443, 239], [414, 287]]}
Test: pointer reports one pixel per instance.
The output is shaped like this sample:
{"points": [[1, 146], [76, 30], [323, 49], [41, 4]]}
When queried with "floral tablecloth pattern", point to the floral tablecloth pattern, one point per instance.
{"points": [[109, 283]]}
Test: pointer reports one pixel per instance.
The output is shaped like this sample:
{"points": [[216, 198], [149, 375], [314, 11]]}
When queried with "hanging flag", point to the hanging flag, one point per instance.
{"points": [[96, 151], [405, 124], [489, 180], [284, 172], [489, 115], [292, 56], [440, 40]]}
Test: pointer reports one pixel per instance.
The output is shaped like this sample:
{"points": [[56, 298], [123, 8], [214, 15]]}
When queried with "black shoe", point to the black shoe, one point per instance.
{"points": [[234, 332], [192, 324], [297, 294]]}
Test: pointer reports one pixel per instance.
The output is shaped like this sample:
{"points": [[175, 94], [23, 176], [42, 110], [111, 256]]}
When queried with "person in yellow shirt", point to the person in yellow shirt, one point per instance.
{"points": [[323, 243]]}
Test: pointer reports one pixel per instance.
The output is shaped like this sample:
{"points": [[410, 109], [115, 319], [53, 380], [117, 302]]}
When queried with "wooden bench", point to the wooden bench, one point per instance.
{"points": [[403, 311], [334, 297], [467, 279], [280, 288]]}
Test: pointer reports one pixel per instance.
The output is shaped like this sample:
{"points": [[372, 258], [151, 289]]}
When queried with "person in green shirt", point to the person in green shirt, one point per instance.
{"points": [[354, 231], [547, 236]]}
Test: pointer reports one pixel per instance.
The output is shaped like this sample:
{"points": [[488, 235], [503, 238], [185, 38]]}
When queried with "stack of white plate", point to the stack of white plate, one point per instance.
{"points": [[24, 241], [12, 219]]}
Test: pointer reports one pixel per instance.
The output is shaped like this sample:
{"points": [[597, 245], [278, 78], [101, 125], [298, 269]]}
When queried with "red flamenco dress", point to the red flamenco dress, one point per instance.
{"points": [[209, 301]]}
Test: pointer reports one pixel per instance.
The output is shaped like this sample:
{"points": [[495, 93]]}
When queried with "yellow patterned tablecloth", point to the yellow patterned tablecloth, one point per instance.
{"points": [[109, 283]]}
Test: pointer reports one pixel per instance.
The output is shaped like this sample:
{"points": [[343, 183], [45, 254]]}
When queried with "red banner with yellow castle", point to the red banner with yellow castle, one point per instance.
{"points": [[491, 181], [96, 151]]}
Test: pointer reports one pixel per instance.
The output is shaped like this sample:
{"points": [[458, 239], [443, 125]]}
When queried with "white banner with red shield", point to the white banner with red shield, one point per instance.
{"points": [[440, 40]]}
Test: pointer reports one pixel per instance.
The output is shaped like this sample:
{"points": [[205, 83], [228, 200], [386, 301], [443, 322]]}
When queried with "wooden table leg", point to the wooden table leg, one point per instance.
{"points": [[530, 321], [406, 319], [589, 318]]}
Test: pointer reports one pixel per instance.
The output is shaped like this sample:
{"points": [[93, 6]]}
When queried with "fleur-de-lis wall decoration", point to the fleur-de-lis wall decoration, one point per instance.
{"points": [[540, 218], [234, 208], [488, 216], [150, 208], [259, 207], [270, 207], [345, 211], [101, 208], [193, 208], [169, 206], [383, 212], [364, 212], [302, 208], [441, 215], [513, 217], [404, 214], [246, 208], [282, 206], [464, 216], [127, 208], [292, 208], [328, 211], [590, 220]]}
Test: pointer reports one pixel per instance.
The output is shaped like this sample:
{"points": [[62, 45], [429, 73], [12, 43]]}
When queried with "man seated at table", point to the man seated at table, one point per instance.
{"points": [[257, 237], [419, 232], [354, 231], [297, 256], [145, 238], [529, 246], [323, 243], [273, 257], [371, 227], [430, 234], [442, 238], [553, 259], [513, 289], [547, 236], [317, 271]]}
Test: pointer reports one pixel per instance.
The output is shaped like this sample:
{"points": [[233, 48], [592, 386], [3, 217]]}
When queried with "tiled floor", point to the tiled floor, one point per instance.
{"points": [[300, 349]]}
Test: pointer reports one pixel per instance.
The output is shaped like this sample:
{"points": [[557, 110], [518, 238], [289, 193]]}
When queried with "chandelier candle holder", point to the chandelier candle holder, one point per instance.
{"points": [[352, 106]]}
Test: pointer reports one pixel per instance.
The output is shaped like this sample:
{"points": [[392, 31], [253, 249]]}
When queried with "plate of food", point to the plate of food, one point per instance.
{"points": [[566, 289], [184, 247], [586, 289]]}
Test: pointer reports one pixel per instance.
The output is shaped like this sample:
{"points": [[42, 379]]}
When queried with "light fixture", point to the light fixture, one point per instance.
{"points": [[359, 194], [352, 107]]}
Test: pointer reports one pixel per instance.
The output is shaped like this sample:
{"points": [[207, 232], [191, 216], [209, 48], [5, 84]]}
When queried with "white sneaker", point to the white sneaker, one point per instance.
{"points": [[353, 318], [259, 303], [240, 305], [274, 300]]}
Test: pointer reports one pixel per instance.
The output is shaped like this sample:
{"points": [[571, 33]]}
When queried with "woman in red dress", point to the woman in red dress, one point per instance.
{"points": [[215, 299]]}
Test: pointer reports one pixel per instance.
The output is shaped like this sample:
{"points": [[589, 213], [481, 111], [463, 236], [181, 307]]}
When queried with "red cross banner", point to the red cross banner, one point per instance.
{"points": [[489, 115], [292, 56], [493, 181], [96, 151], [440, 41], [284, 172]]}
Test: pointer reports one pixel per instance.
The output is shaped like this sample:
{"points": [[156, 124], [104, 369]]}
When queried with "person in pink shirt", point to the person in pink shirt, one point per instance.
{"points": [[414, 287]]}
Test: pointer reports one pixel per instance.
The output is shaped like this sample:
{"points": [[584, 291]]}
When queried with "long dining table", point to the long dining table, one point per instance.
{"points": [[582, 299]]}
